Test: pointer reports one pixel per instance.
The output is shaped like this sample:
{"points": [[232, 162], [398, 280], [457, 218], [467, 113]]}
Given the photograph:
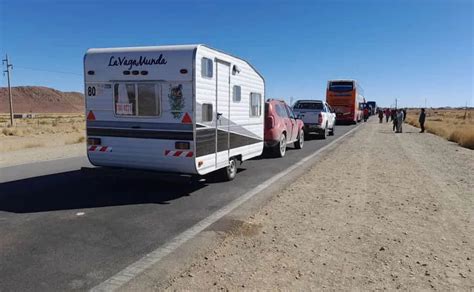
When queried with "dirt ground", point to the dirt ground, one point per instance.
{"points": [[44, 137], [381, 211]]}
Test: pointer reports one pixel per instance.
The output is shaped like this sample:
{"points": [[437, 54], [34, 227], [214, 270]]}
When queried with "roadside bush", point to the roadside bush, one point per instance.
{"points": [[464, 138]]}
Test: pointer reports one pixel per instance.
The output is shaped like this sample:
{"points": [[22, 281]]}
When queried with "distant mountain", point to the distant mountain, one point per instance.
{"points": [[38, 99]]}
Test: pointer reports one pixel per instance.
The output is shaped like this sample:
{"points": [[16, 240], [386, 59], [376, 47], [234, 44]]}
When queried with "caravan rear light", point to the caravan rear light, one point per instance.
{"points": [[135, 72], [126, 72], [144, 72], [270, 122], [93, 141], [181, 145], [90, 72], [320, 118]]}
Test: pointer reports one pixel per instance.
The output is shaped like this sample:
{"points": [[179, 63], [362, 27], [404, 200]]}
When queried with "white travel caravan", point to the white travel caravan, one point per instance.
{"points": [[185, 109]]}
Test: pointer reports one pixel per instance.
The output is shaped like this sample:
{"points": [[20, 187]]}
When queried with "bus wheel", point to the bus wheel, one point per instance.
{"points": [[230, 171]]}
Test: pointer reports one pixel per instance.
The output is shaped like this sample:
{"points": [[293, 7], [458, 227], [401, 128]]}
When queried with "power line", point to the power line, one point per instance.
{"points": [[50, 71]]}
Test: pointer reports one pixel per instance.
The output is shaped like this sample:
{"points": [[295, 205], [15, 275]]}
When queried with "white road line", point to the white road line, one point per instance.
{"points": [[133, 270]]}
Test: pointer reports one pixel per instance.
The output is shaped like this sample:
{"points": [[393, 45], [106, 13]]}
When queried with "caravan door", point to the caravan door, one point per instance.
{"points": [[222, 112]]}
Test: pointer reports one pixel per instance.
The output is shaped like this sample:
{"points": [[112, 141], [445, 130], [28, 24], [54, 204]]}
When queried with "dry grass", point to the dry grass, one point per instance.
{"points": [[33, 145], [453, 125], [44, 130], [42, 124]]}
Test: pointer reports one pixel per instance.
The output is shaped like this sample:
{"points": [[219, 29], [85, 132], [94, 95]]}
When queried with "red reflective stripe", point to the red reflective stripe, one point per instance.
{"points": [[92, 148], [167, 152], [178, 153], [103, 149], [190, 154]]}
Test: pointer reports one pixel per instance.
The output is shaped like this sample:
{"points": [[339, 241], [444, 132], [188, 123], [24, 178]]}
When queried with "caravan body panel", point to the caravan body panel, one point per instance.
{"points": [[238, 132]]}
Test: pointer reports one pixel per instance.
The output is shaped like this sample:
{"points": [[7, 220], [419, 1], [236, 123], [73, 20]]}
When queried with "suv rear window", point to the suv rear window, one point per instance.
{"points": [[281, 111], [309, 105]]}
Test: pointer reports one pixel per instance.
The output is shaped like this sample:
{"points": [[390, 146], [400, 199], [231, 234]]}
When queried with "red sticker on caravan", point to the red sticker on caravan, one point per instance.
{"points": [[186, 119]]}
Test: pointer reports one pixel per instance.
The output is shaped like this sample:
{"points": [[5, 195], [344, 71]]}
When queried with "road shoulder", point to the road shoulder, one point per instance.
{"points": [[386, 220], [160, 274]]}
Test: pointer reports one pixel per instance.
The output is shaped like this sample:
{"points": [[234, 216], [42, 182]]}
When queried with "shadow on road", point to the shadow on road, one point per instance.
{"points": [[95, 188]]}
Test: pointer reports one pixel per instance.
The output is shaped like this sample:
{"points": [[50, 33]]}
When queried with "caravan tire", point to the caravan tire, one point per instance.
{"points": [[230, 171]]}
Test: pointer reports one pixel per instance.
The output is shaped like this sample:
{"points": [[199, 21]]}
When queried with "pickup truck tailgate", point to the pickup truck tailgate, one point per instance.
{"points": [[308, 116]]}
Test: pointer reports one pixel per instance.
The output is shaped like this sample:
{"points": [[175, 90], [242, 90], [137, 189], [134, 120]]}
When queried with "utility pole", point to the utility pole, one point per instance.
{"points": [[9, 66], [396, 103], [465, 111]]}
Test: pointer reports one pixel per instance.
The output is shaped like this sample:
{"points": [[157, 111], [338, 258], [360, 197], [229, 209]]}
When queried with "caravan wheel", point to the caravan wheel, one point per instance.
{"points": [[231, 170]]}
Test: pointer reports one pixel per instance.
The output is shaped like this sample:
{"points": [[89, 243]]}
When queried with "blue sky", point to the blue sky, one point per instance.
{"points": [[409, 50]]}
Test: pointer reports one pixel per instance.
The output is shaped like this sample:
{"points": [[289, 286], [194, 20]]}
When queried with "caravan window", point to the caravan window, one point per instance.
{"points": [[148, 100], [255, 104], [137, 99], [206, 112], [236, 93], [206, 67], [125, 99]]}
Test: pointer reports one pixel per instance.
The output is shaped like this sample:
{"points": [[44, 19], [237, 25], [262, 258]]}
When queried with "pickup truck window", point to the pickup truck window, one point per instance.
{"points": [[309, 105]]}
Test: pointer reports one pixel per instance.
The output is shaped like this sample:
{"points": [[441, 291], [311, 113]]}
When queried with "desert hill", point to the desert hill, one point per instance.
{"points": [[38, 99]]}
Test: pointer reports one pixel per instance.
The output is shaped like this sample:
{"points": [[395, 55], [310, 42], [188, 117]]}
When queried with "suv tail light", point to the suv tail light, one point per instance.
{"points": [[269, 122], [320, 118]]}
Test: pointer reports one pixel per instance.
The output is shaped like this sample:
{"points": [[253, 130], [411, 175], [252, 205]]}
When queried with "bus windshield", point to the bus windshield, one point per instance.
{"points": [[341, 86]]}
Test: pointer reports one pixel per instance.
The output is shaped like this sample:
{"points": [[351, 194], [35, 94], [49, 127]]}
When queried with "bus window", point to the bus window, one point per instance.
{"points": [[341, 86]]}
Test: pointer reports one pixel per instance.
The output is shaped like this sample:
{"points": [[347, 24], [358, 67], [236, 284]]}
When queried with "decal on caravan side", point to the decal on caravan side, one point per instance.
{"points": [[185, 109]]}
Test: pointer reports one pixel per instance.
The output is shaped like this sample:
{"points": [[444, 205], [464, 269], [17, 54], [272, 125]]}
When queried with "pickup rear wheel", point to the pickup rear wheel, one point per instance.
{"points": [[299, 143], [331, 131], [324, 132]]}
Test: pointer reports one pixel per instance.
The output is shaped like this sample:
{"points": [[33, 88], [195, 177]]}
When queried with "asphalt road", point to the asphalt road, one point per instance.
{"points": [[62, 228]]}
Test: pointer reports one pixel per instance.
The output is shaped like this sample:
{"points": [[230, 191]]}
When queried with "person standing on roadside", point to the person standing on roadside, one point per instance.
{"points": [[387, 114], [421, 120], [393, 116], [366, 114], [380, 116], [400, 117], [404, 114]]}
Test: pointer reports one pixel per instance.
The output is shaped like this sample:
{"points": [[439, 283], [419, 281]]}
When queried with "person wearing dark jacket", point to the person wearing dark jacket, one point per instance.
{"points": [[380, 116], [421, 120], [394, 120]]}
